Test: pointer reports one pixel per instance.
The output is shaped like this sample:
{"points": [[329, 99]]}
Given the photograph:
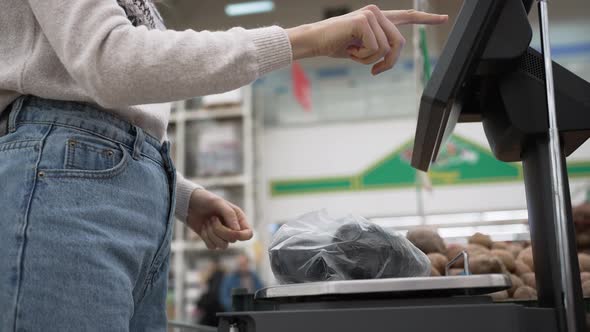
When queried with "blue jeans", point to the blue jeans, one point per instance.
{"points": [[86, 216]]}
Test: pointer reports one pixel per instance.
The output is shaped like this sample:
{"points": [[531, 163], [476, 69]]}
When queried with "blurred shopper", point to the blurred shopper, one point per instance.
{"points": [[209, 304], [89, 191], [242, 277]]}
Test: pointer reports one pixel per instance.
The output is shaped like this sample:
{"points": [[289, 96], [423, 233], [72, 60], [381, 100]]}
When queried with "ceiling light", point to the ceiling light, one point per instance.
{"points": [[248, 8]]}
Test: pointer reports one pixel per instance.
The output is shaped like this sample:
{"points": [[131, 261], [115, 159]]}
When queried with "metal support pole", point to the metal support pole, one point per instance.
{"points": [[559, 209], [418, 73]]}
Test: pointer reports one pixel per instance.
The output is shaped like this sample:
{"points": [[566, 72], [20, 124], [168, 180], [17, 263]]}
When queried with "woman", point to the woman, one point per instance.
{"points": [[88, 191]]}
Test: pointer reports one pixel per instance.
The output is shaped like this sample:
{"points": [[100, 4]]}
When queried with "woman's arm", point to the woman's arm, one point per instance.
{"points": [[184, 190], [120, 65]]}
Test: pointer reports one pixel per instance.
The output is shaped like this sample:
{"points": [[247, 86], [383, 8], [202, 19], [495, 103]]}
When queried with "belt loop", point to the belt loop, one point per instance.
{"points": [[139, 139], [14, 110]]}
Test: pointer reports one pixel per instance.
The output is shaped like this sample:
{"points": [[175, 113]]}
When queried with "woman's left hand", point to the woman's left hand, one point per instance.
{"points": [[217, 221]]}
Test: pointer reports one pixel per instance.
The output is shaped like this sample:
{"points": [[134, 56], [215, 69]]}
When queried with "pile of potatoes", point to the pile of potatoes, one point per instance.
{"points": [[581, 215], [487, 256]]}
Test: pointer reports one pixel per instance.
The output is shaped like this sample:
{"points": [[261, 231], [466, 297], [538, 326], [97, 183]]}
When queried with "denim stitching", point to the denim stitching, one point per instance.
{"points": [[79, 145], [21, 252], [161, 253], [164, 250], [87, 174], [90, 132], [18, 145]]}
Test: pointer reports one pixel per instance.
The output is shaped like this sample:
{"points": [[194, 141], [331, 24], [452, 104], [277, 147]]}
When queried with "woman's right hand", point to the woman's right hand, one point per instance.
{"points": [[368, 35]]}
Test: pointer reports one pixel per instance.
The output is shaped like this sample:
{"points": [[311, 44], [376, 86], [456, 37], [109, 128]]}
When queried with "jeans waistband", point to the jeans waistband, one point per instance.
{"points": [[89, 118]]}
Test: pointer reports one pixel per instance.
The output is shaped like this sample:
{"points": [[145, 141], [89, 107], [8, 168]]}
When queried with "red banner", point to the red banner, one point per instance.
{"points": [[301, 86]]}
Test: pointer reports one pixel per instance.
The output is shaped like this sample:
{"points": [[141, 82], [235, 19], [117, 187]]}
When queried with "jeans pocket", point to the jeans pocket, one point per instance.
{"points": [[83, 154], [88, 158]]}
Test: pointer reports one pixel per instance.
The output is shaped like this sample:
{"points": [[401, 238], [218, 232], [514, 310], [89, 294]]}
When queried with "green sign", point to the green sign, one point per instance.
{"points": [[459, 162]]}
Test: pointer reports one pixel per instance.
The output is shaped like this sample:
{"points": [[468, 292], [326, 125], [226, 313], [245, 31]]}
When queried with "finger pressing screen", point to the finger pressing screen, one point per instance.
{"points": [[414, 17]]}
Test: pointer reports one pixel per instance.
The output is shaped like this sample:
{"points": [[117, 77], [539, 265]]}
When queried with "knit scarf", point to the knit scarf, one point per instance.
{"points": [[142, 12]]}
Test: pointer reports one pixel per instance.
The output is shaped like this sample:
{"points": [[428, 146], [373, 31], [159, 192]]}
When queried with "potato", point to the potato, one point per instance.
{"points": [[584, 276], [477, 249], [453, 250], [438, 261], [529, 279], [515, 249], [484, 264], [525, 293], [526, 256], [516, 283], [581, 215], [584, 260], [500, 245], [583, 239], [434, 272], [506, 257], [586, 289], [427, 240], [481, 239], [521, 268], [500, 296]]}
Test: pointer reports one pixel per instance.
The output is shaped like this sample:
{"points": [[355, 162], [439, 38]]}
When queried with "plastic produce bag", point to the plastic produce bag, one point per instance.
{"points": [[316, 247]]}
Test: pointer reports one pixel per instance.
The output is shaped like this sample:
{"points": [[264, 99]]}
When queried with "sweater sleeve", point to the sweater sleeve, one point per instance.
{"points": [[184, 189], [120, 65]]}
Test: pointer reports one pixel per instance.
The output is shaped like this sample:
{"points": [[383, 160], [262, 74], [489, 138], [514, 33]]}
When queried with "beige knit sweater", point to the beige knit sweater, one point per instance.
{"points": [[87, 50]]}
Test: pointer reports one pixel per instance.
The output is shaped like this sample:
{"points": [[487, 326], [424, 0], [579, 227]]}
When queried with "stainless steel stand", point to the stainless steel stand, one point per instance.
{"points": [[559, 209]]}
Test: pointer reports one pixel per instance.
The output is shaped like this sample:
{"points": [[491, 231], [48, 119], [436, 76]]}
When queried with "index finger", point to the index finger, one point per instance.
{"points": [[222, 231], [227, 214], [242, 220], [244, 235], [245, 232], [231, 235], [411, 16]]}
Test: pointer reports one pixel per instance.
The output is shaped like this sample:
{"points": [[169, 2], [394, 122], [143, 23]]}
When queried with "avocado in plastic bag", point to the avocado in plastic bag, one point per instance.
{"points": [[316, 247]]}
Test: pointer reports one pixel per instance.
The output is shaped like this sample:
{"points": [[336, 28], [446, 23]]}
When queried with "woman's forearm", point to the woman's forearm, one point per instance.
{"points": [[301, 44], [120, 65]]}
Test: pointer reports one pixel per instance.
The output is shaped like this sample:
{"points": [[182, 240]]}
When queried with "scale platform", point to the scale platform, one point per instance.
{"points": [[399, 287], [385, 305]]}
